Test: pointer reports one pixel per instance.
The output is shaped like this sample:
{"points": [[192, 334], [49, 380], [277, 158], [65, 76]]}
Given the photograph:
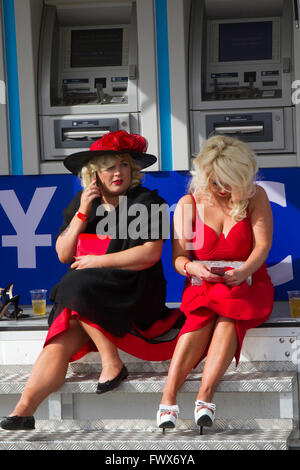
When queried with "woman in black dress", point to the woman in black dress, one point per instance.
{"points": [[113, 296]]}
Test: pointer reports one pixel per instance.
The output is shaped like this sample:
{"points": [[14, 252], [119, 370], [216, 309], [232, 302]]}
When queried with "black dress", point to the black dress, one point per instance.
{"points": [[127, 306]]}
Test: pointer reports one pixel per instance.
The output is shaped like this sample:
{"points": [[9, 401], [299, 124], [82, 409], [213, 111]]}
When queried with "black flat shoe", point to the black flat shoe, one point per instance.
{"points": [[111, 384], [17, 423]]}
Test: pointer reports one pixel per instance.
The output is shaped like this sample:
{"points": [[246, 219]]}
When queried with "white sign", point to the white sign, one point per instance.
{"points": [[281, 272]]}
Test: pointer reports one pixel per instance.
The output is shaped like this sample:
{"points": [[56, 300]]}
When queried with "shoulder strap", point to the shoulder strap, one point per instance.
{"points": [[194, 200]]}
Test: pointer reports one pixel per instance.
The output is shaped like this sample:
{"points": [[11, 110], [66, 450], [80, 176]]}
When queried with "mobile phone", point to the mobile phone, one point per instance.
{"points": [[98, 182], [219, 270]]}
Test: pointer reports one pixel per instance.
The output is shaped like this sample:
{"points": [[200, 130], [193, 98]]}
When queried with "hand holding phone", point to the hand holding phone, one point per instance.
{"points": [[219, 270], [91, 192]]}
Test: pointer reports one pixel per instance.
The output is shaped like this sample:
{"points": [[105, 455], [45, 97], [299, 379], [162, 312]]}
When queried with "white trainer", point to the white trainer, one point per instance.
{"points": [[166, 416], [204, 413]]}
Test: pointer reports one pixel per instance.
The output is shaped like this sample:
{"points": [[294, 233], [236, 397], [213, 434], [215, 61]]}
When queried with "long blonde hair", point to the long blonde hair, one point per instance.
{"points": [[227, 161], [105, 161]]}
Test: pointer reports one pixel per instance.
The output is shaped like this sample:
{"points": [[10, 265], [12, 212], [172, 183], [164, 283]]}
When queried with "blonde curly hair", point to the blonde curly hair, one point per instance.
{"points": [[103, 163], [227, 161]]}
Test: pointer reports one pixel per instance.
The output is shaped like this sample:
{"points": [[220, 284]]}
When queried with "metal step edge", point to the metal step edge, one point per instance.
{"points": [[135, 366], [272, 382], [149, 425], [294, 439], [137, 440]]}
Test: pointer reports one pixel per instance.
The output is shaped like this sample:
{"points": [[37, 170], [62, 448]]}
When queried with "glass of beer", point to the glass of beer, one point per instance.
{"points": [[38, 300], [294, 301]]}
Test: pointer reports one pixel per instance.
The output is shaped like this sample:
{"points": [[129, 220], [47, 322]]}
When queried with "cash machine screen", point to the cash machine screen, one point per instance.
{"points": [[245, 41], [96, 47]]}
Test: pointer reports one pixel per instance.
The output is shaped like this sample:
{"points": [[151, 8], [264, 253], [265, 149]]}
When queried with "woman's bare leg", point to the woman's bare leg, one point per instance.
{"points": [[221, 351], [50, 368], [111, 362], [188, 352]]}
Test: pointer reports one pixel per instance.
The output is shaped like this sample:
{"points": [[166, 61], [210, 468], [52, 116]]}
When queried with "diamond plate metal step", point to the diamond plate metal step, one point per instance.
{"points": [[13, 382], [149, 425], [140, 434], [236, 433], [144, 440]]}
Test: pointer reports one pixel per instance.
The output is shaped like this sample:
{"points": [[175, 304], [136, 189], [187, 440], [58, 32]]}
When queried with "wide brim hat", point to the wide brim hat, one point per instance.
{"points": [[119, 142]]}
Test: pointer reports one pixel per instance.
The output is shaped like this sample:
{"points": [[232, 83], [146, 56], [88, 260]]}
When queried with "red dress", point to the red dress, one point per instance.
{"points": [[249, 305], [156, 343], [127, 306]]}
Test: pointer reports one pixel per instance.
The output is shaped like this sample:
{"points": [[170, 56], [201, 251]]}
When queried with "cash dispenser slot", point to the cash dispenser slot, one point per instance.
{"points": [[233, 129], [81, 133], [248, 127]]}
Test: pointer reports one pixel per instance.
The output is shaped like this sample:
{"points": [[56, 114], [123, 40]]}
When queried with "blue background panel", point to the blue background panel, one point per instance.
{"points": [[172, 186], [13, 87]]}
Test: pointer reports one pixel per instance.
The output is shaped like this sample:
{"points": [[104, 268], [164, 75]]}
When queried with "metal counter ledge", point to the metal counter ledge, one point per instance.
{"points": [[280, 317]]}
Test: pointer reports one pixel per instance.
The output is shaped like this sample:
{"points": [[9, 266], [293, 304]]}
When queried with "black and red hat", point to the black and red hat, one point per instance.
{"points": [[112, 143]]}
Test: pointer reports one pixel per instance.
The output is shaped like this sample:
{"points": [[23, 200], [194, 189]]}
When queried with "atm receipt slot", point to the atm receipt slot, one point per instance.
{"points": [[255, 127], [238, 129], [83, 133], [74, 133]]}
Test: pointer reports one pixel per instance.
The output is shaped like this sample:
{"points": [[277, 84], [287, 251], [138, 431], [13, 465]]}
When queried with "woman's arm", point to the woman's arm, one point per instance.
{"points": [[262, 229], [67, 241], [183, 235], [136, 258]]}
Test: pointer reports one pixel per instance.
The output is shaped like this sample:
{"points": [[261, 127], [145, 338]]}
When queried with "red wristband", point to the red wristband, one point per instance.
{"points": [[184, 269], [81, 216]]}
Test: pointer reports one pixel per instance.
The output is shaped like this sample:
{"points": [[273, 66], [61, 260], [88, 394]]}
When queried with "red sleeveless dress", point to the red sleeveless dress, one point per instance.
{"points": [[248, 305]]}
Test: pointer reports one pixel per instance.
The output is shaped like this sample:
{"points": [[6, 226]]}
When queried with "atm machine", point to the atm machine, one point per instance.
{"points": [[88, 77], [241, 73]]}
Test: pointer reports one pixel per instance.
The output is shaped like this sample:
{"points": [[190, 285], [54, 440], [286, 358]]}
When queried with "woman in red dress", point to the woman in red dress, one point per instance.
{"points": [[113, 296], [225, 216]]}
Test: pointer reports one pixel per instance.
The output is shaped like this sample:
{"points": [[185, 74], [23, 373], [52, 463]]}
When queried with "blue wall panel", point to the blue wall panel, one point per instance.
{"points": [[13, 87], [18, 194], [164, 94]]}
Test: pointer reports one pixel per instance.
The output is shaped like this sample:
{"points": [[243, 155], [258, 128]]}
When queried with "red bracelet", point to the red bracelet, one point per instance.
{"points": [[184, 269], [81, 216]]}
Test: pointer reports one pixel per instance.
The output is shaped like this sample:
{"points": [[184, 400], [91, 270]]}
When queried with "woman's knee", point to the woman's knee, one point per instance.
{"points": [[225, 322], [55, 351], [68, 342]]}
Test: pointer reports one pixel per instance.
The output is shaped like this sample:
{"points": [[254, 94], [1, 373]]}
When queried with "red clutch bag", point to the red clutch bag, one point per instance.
{"points": [[92, 244]]}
